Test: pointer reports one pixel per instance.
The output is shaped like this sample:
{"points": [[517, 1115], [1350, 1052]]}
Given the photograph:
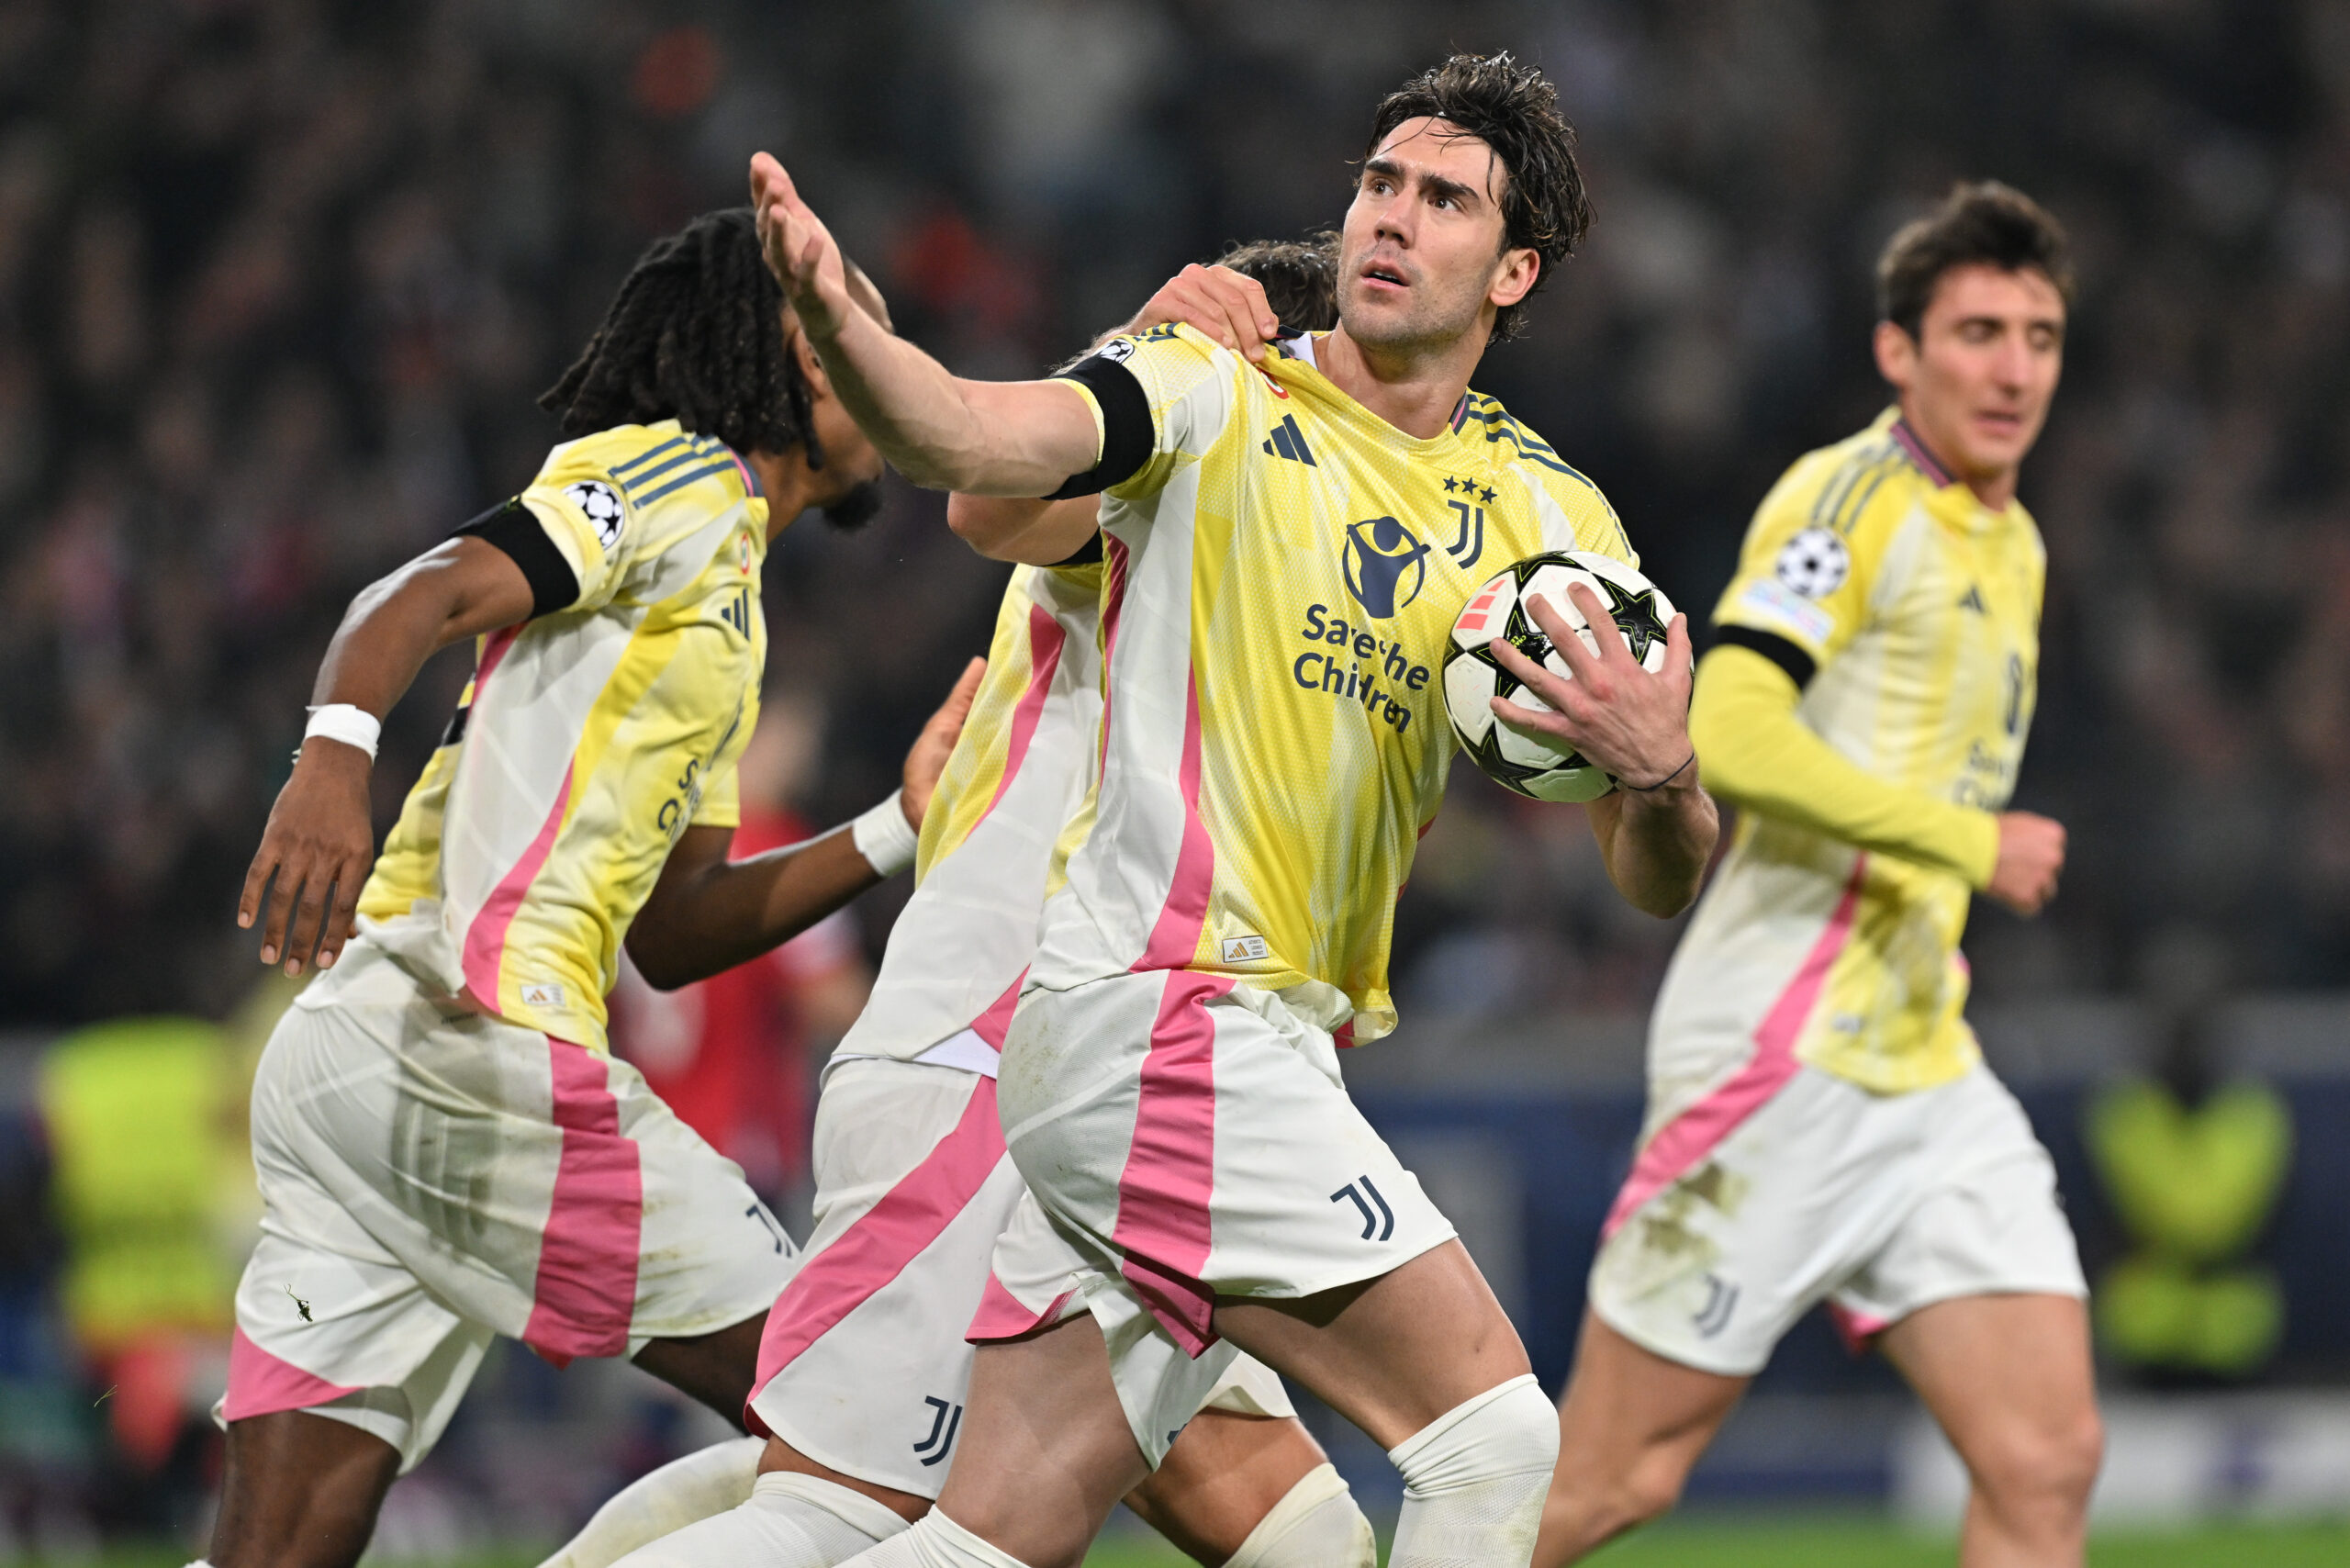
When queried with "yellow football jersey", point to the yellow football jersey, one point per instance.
{"points": [[589, 737], [1283, 571], [991, 839], [1908, 613]]}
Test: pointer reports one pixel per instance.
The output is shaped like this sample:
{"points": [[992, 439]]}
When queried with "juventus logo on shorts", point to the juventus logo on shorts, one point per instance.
{"points": [[1721, 1300], [782, 1242], [944, 1419], [1382, 1221]]}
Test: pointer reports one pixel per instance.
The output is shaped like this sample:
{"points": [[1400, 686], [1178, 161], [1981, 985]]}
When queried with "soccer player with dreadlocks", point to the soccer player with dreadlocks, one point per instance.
{"points": [[445, 1148]]}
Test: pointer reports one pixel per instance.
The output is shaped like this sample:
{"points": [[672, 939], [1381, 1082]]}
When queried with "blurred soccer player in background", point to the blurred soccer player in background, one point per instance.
{"points": [[1820, 1123], [1169, 1088], [445, 1150], [865, 1367]]}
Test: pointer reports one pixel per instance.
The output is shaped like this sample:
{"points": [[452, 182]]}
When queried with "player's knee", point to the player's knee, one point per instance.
{"points": [[1650, 1489], [2040, 1467], [1475, 1479], [1592, 1503], [1315, 1525], [1505, 1431]]}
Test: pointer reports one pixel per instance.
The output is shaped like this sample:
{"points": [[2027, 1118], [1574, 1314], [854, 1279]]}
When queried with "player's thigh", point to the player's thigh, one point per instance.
{"points": [[2012, 1381], [1046, 1450], [717, 1368], [1629, 1413], [1390, 1354], [1225, 1472]]}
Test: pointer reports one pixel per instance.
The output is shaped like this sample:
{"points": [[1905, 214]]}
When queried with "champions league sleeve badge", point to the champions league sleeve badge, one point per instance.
{"points": [[602, 505], [1815, 563]]}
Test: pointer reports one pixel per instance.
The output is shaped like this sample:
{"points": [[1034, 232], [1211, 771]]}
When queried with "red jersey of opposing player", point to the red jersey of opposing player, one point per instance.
{"points": [[730, 1054]]}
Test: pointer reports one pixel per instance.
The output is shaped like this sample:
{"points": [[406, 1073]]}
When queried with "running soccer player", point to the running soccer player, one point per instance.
{"points": [[1199, 1182], [1820, 1123], [863, 1377], [445, 1150]]}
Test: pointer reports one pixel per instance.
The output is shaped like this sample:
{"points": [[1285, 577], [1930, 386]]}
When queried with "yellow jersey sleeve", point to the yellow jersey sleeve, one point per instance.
{"points": [[1812, 553], [1755, 753], [586, 515], [1187, 398], [598, 498]]}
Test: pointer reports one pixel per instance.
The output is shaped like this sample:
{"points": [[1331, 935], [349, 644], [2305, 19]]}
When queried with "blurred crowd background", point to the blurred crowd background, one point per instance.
{"points": [[281, 279]]}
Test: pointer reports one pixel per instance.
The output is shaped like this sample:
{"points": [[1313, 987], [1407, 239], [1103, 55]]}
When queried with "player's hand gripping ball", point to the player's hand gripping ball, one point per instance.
{"points": [[1531, 765]]}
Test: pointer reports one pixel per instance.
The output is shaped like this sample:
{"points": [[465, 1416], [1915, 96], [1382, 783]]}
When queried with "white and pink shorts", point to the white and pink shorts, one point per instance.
{"points": [[1186, 1138], [433, 1178], [1756, 1201], [865, 1364]]}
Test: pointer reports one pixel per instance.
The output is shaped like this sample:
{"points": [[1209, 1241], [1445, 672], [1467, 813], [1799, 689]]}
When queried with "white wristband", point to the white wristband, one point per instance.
{"points": [[342, 722], [885, 838]]}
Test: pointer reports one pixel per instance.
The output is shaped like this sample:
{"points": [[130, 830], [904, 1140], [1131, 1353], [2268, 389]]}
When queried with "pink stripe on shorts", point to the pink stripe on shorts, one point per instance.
{"points": [[1686, 1139], [586, 1291], [1163, 1229], [876, 1247]]}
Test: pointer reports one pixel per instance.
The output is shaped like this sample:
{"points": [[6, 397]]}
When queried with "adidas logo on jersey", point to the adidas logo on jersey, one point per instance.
{"points": [[1288, 441], [1972, 600]]}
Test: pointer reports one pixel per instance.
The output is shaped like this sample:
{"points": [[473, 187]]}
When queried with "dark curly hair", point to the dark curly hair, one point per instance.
{"points": [[1513, 109], [1983, 223], [1300, 277], [695, 334]]}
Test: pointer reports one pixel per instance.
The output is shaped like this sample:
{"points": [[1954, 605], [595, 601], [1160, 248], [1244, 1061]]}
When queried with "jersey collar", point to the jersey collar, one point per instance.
{"points": [[1301, 348], [1907, 437]]}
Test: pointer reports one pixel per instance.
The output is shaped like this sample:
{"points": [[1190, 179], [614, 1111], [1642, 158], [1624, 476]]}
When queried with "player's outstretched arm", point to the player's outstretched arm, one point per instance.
{"points": [[983, 438], [708, 914], [1228, 306], [1656, 832], [321, 840]]}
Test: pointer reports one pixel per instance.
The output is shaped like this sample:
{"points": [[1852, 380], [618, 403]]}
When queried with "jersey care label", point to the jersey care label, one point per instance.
{"points": [[1245, 950]]}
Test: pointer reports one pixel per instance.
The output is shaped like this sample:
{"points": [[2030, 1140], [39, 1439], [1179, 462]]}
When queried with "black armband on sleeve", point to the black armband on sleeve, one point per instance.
{"points": [[1128, 434], [517, 532], [1085, 554], [1801, 667]]}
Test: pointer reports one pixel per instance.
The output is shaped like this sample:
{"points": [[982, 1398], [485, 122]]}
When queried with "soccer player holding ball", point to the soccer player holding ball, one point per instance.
{"points": [[445, 1150], [1820, 1123], [1283, 571]]}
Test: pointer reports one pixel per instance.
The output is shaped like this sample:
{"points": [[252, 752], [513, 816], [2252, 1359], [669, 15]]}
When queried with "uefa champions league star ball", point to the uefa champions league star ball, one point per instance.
{"points": [[1532, 764]]}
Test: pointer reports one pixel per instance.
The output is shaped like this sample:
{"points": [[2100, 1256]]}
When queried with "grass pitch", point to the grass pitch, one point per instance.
{"points": [[1776, 1541], [1715, 1540]]}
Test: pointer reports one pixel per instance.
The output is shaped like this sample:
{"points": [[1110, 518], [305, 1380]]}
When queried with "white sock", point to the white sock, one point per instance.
{"points": [[707, 1481], [1474, 1480], [791, 1521], [1315, 1525], [937, 1543]]}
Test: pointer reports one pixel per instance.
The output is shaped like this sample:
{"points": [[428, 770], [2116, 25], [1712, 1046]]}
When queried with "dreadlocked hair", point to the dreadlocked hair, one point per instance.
{"points": [[1300, 277], [695, 335], [1513, 109]]}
